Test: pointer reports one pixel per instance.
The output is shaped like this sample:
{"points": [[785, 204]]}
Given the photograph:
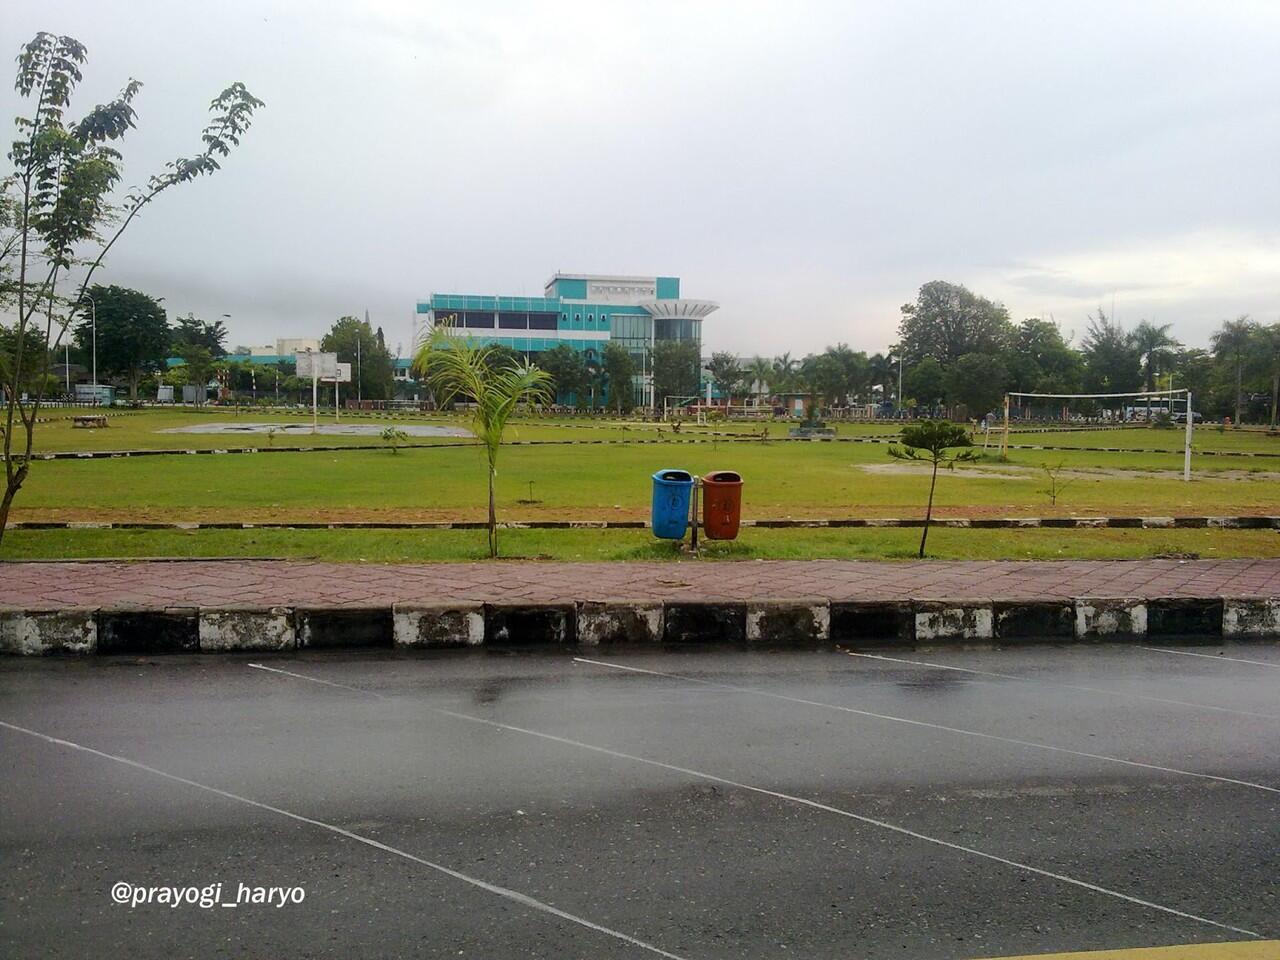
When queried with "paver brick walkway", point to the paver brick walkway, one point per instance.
{"points": [[225, 583]]}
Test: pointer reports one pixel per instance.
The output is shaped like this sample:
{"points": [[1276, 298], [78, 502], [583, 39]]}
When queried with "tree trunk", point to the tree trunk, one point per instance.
{"points": [[10, 491], [493, 521], [1275, 397], [1239, 389], [928, 513], [134, 377]]}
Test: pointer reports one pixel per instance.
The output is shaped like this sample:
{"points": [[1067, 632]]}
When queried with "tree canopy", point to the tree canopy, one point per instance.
{"points": [[133, 335]]}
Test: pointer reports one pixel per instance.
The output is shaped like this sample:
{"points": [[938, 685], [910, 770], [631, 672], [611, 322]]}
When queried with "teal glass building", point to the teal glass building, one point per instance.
{"points": [[585, 311]]}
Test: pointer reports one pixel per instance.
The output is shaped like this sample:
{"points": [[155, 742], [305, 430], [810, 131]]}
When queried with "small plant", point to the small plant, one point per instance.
{"points": [[928, 442], [1162, 420], [530, 498], [1056, 484], [394, 438], [271, 435]]}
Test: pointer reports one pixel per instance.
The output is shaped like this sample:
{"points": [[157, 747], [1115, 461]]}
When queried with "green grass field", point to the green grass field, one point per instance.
{"points": [[428, 481]]}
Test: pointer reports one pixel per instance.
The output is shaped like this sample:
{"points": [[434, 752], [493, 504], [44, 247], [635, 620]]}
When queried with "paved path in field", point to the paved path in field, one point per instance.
{"points": [[288, 583]]}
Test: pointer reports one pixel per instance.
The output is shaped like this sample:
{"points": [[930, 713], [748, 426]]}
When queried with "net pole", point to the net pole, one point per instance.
{"points": [[1004, 442], [1186, 453]]}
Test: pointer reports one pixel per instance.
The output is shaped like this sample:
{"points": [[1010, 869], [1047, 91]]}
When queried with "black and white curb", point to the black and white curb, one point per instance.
{"points": [[799, 622]]}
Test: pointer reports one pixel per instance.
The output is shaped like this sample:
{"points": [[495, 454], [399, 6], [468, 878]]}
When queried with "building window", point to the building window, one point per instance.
{"points": [[513, 321], [478, 320], [543, 321]]}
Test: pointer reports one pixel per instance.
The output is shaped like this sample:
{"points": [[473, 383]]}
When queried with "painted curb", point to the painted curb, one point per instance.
{"points": [[639, 623]]}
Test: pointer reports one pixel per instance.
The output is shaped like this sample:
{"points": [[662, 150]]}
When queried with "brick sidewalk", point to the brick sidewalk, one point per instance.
{"points": [[230, 583]]}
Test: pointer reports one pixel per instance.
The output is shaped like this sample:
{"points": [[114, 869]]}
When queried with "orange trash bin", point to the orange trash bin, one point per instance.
{"points": [[721, 504]]}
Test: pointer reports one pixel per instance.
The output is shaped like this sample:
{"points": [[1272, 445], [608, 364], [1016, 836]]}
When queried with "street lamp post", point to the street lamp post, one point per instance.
{"points": [[93, 306]]}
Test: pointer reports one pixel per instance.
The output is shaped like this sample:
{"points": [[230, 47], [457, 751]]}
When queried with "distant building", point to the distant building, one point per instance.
{"points": [[583, 310]]}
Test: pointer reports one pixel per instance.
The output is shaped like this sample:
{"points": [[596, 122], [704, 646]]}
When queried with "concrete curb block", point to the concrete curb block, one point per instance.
{"points": [[1251, 618], [148, 631], [247, 628], [530, 624], [953, 620], [1196, 619], [704, 622], [1099, 618], [35, 633], [1034, 619], [873, 623], [347, 626], [438, 624], [782, 622], [620, 621]]}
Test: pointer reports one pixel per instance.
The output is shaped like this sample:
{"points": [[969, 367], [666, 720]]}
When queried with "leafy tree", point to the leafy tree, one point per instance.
{"points": [[456, 368], [948, 321], [926, 382], [882, 372], [726, 373], [619, 369], [976, 380], [1155, 348], [567, 369], [1230, 346], [1041, 360], [675, 369], [133, 333], [1268, 354], [784, 372], [928, 442], [1111, 363], [190, 331], [64, 175], [372, 367], [198, 360]]}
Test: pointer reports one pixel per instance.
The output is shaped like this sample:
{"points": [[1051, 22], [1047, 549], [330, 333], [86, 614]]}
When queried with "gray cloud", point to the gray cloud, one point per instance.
{"points": [[808, 165]]}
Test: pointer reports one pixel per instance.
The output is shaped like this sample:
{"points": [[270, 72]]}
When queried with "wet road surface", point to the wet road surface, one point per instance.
{"points": [[628, 804]]}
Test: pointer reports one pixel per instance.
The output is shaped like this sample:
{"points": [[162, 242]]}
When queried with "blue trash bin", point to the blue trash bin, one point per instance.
{"points": [[671, 492]]}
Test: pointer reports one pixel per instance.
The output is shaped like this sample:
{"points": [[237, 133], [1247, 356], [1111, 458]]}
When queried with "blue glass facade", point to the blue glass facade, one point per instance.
{"points": [[585, 311]]}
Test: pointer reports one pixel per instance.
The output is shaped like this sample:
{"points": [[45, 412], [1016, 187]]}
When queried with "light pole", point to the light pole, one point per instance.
{"points": [[93, 306]]}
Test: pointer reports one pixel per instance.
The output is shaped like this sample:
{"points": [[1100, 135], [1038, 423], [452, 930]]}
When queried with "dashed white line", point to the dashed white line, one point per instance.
{"points": [[1065, 686], [827, 808], [1211, 656], [504, 892], [936, 726]]}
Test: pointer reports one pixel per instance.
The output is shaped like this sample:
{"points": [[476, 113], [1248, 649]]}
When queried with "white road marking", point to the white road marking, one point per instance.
{"points": [[937, 726], [1210, 656], [327, 683], [1065, 686], [826, 808], [506, 893]]}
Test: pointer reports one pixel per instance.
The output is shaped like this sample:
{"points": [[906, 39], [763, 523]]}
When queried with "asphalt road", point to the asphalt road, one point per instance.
{"points": [[816, 804]]}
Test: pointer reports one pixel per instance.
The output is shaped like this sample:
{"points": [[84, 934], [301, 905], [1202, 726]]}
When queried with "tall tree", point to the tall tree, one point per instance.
{"points": [[948, 321], [976, 380], [132, 333], [760, 370], [1111, 362], [65, 172], [372, 368], [784, 371], [726, 373], [1231, 347], [676, 365], [1156, 350], [567, 370], [619, 369], [1268, 339], [191, 331]]}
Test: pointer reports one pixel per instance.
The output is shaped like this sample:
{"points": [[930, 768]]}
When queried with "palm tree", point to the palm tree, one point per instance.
{"points": [[760, 370], [455, 368], [1155, 349], [784, 369], [1230, 344]]}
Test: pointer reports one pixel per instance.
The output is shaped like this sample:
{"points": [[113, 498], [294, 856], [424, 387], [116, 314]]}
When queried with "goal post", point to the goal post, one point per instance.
{"points": [[1165, 398]]}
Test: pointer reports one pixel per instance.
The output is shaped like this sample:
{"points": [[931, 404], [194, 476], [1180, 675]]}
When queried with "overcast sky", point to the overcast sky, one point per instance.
{"points": [[807, 164]]}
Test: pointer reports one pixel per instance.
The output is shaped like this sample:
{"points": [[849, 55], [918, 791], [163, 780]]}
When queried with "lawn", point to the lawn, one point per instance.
{"points": [[439, 480], [463, 545]]}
